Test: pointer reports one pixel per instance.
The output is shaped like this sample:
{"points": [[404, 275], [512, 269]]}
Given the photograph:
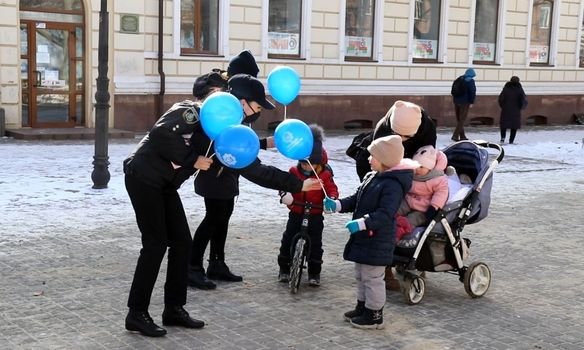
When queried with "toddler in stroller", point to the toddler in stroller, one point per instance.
{"points": [[439, 246]]}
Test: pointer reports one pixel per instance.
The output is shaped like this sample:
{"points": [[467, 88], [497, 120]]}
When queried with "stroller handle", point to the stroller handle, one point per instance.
{"points": [[487, 144]]}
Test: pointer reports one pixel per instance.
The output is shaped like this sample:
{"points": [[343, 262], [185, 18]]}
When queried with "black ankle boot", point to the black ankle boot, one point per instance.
{"points": [[198, 279], [369, 319], [176, 315], [358, 311], [218, 270], [140, 321]]}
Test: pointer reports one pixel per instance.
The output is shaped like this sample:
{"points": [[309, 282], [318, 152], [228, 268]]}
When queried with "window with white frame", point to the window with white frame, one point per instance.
{"points": [[426, 29], [485, 31], [359, 25], [199, 26], [539, 46], [581, 58], [284, 28]]}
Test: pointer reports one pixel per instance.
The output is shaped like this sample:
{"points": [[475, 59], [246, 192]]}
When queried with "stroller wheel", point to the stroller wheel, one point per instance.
{"points": [[413, 288], [477, 279]]}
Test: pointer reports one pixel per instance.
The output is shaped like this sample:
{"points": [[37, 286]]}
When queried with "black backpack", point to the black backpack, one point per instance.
{"points": [[458, 87]]}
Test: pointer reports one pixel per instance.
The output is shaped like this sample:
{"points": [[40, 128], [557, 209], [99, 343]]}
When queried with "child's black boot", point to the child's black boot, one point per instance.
{"points": [[218, 270], [369, 319], [356, 312]]}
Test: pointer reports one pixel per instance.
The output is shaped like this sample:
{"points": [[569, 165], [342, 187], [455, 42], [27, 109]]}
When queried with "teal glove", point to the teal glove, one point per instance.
{"points": [[330, 205], [355, 226]]}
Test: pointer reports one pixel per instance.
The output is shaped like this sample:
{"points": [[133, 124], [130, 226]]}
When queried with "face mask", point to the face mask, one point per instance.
{"points": [[251, 118]]}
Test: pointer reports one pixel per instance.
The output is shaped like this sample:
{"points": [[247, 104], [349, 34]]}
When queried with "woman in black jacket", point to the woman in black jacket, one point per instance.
{"points": [[512, 100], [163, 160], [220, 185]]}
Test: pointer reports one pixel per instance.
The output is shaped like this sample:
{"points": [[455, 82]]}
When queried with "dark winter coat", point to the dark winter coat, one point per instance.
{"points": [[470, 93], [222, 182], [512, 100], [377, 200], [165, 157], [426, 135]]}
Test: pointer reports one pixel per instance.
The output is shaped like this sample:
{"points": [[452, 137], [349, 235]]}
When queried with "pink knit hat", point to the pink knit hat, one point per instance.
{"points": [[388, 150], [426, 156], [405, 118]]}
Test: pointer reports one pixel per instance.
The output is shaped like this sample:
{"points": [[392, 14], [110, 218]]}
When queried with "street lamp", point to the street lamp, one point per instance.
{"points": [[100, 174]]}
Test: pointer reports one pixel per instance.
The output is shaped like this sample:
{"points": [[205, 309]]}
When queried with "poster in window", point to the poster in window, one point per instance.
{"points": [[358, 46], [283, 43], [538, 53], [484, 51], [425, 49]]}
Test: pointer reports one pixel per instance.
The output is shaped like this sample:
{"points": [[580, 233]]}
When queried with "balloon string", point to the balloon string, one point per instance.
{"points": [[317, 177], [285, 110], [206, 153]]}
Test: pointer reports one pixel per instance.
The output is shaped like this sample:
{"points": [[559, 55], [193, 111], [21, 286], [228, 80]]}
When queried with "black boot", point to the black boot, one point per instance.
{"points": [[369, 319], [358, 311], [198, 279], [140, 321], [176, 315], [218, 270]]}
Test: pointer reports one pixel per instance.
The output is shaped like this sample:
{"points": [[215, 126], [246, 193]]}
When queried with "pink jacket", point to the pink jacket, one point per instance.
{"points": [[431, 192]]}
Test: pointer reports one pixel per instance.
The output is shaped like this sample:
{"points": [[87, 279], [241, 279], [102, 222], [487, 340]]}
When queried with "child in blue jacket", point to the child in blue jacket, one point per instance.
{"points": [[372, 227]]}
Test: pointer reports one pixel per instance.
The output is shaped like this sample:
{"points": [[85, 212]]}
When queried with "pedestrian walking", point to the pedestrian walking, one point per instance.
{"points": [[463, 96], [512, 100]]}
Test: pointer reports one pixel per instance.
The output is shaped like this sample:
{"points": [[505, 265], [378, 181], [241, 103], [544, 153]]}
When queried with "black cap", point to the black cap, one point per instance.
{"points": [[246, 87], [205, 83], [243, 63]]}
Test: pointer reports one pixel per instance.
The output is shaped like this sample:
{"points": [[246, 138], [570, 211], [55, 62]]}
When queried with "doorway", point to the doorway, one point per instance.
{"points": [[52, 56]]}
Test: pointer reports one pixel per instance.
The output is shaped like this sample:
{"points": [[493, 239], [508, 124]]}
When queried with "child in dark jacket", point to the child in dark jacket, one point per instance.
{"points": [[372, 227], [294, 201]]}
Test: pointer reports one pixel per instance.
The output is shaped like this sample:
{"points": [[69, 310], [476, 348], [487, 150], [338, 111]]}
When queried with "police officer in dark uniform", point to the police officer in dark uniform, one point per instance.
{"points": [[163, 160], [220, 185]]}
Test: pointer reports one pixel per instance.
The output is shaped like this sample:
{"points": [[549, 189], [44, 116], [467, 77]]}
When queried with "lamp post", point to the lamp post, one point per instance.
{"points": [[100, 174]]}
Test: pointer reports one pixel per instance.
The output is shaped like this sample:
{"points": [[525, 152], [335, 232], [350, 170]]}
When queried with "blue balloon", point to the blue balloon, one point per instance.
{"points": [[237, 146], [294, 139], [284, 84], [219, 111]]}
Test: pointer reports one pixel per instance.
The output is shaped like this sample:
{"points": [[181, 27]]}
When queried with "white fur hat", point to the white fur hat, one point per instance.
{"points": [[405, 118], [426, 156], [388, 150]]}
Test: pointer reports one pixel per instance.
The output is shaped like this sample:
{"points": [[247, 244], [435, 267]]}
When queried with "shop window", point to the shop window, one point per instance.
{"points": [[539, 48], [426, 30], [581, 58], [485, 31], [199, 26], [359, 22], [284, 28]]}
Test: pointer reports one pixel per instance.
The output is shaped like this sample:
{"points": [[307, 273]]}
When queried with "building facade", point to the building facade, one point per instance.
{"points": [[355, 57]]}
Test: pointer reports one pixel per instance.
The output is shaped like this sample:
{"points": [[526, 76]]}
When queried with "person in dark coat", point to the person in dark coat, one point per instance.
{"points": [[163, 160], [416, 129], [371, 244], [462, 103], [220, 185], [512, 100], [407, 120]]}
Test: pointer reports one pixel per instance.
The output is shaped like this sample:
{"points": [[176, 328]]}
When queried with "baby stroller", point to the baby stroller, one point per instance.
{"points": [[439, 246]]}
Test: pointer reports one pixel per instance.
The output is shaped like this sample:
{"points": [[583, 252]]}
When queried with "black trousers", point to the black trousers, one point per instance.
{"points": [[315, 227], [213, 228], [163, 224], [511, 137]]}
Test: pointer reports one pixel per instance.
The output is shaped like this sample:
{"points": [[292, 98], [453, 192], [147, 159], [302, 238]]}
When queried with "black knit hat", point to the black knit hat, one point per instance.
{"points": [[317, 135], [207, 82], [243, 63]]}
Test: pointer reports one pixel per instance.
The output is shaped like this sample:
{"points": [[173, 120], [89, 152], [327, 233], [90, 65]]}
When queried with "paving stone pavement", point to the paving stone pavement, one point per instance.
{"points": [[67, 255]]}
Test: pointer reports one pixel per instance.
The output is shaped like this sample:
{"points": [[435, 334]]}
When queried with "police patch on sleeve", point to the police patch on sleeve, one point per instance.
{"points": [[190, 116]]}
